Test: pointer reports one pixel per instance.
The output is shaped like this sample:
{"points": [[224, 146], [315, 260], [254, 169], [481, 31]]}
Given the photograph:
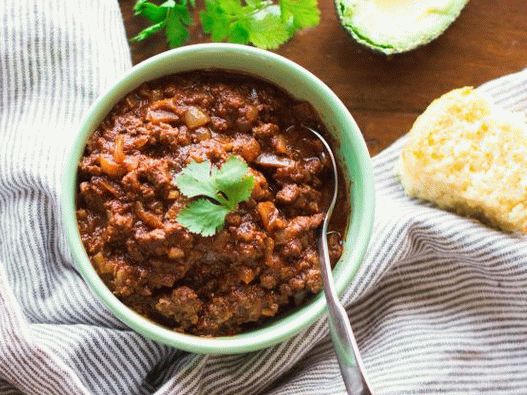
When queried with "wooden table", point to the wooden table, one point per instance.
{"points": [[386, 94]]}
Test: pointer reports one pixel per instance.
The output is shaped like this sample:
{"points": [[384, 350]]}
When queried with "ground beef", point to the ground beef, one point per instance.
{"points": [[265, 259]]}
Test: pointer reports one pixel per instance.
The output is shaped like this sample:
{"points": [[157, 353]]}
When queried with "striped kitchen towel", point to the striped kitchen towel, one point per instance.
{"points": [[439, 306]]}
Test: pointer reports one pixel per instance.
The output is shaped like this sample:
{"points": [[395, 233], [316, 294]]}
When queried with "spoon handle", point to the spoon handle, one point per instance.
{"points": [[351, 366], [346, 348], [347, 353]]}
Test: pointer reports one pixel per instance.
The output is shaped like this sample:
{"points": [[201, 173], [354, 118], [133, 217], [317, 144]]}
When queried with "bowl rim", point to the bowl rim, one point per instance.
{"points": [[259, 338]]}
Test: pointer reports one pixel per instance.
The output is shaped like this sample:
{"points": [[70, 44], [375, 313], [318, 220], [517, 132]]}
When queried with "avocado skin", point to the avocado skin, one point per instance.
{"points": [[387, 49]]}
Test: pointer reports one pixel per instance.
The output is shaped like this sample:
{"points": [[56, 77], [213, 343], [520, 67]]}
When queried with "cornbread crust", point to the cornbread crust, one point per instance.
{"points": [[467, 155]]}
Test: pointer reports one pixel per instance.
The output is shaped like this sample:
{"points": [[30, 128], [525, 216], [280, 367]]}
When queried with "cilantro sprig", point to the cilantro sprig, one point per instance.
{"points": [[220, 191], [173, 16], [263, 23]]}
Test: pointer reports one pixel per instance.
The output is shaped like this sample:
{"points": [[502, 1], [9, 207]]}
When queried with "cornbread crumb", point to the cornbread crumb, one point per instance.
{"points": [[467, 155]]}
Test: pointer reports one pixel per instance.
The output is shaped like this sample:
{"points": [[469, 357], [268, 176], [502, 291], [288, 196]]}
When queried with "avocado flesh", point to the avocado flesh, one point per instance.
{"points": [[395, 26]]}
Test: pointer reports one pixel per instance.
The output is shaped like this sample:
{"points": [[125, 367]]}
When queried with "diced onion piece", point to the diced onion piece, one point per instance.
{"points": [[148, 218], [140, 141], [270, 311], [108, 166], [194, 118], [173, 195], [118, 152], [251, 113], [247, 147], [109, 187], [270, 216], [271, 160], [279, 144], [247, 275], [98, 258], [159, 116], [82, 213], [176, 253], [102, 265], [202, 134], [266, 211]]}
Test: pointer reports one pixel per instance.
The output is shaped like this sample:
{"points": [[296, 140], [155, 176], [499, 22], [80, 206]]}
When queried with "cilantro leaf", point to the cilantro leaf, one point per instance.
{"points": [[150, 11], [196, 180], [267, 30], [214, 21], [177, 21], [203, 217], [232, 180], [305, 13], [173, 16], [231, 7], [231, 172], [239, 191], [145, 33], [239, 33], [226, 187]]}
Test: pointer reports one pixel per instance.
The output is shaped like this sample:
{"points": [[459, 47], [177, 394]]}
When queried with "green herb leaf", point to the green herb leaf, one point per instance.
{"points": [[231, 172], [203, 217], [168, 4], [214, 21], [172, 16], [227, 187], [267, 30], [196, 180], [150, 11], [231, 7], [239, 191], [145, 33], [305, 13], [178, 19], [239, 33]]}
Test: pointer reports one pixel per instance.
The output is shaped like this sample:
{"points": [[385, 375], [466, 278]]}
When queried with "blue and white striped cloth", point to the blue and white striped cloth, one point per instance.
{"points": [[439, 306]]}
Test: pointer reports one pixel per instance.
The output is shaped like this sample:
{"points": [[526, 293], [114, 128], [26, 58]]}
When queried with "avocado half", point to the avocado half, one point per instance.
{"points": [[396, 26]]}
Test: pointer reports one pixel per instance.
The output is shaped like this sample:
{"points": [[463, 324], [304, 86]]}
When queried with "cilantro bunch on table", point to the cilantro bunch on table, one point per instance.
{"points": [[263, 23], [220, 190]]}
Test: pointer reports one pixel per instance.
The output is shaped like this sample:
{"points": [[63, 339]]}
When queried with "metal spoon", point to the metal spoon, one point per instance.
{"points": [[348, 356]]}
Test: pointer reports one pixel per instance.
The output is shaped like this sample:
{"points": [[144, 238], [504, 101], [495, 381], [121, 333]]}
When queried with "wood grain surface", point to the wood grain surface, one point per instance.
{"points": [[385, 94]]}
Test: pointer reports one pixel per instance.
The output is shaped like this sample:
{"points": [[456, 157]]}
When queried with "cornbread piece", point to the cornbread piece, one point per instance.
{"points": [[470, 156]]}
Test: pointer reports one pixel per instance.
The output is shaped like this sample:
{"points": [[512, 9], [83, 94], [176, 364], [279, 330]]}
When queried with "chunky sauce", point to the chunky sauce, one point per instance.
{"points": [[265, 260]]}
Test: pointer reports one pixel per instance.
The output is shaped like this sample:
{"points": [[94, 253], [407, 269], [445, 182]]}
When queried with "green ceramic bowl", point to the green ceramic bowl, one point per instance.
{"points": [[351, 151]]}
